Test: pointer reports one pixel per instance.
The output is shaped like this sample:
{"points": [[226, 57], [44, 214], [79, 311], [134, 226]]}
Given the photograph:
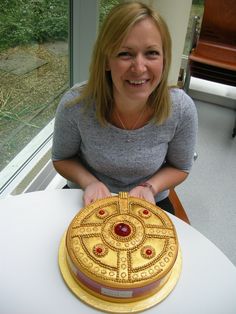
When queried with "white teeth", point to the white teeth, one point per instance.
{"points": [[138, 82]]}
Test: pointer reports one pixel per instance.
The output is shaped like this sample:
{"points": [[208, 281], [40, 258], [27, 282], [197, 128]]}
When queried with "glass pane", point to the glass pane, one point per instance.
{"points": [[33, 69], [105, 7], [196, 10]]}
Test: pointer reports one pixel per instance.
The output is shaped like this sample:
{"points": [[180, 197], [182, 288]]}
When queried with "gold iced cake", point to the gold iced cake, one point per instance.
{"points": [[121, 248]]}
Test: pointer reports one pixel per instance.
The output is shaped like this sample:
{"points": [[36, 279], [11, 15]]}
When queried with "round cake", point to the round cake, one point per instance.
{"points": [[121, 248]]}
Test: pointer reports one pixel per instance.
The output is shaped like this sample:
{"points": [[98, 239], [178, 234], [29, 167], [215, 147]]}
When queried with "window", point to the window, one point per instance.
{"points": [[196, 10], [33, 69]]}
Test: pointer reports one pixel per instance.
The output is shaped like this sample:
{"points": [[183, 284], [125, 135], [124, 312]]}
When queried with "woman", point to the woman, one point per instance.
{"points": [[125, 130]]}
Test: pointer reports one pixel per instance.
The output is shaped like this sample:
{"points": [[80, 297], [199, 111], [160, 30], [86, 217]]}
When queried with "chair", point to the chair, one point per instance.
{"points": [[179, 209], [213, 54]]}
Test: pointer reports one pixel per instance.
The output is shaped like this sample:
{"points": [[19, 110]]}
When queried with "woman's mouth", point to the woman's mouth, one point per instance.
{"points": [[137, 82]]}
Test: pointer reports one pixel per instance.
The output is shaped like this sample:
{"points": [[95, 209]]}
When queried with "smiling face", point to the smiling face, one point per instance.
{"points": [[136, 68]]}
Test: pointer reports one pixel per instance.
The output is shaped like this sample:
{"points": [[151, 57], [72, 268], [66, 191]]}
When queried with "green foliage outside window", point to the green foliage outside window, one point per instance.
{"points": [[27, 21], [199, 2], [24, 21], [105, 7]]}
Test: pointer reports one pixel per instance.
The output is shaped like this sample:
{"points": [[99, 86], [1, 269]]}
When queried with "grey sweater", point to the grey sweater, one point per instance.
{"points": [[122, 159]]}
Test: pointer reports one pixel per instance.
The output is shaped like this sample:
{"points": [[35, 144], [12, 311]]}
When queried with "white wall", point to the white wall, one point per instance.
{"points": [[176, 14]]}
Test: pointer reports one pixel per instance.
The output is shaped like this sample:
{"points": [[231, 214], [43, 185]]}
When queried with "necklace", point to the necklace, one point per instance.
{"points": [[135, 123]]}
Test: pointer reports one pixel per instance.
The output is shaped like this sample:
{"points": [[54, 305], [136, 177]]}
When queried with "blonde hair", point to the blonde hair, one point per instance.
{"points": [[113, 31]]}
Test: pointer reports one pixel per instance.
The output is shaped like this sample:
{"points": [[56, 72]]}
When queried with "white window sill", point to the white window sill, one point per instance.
{"points": [[22, 170], [219, 94]]}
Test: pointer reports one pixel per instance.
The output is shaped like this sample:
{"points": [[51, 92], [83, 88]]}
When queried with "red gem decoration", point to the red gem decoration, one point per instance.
{"points": [[145, 213], [122, 229], [149, 252], [102, 213], [100, 250]]}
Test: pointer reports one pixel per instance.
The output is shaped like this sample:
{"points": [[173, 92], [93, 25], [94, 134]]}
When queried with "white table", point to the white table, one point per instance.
{"points": [[31, 227]]}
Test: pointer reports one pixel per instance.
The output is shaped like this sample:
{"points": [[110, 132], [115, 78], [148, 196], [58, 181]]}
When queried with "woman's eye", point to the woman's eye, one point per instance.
{"points": [[153, 53], [124, 54]]}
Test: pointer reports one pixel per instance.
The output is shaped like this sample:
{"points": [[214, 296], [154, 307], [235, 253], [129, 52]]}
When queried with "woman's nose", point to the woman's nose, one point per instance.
{"points": [[138, 64]]}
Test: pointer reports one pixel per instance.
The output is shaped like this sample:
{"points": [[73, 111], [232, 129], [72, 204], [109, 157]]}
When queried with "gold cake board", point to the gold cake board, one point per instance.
{"points": [[113, 307]]}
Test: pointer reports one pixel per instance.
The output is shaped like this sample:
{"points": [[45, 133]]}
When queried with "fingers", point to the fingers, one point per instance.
{"points": [[144, 193], [87, 200], [95, 191], [98, 190]]}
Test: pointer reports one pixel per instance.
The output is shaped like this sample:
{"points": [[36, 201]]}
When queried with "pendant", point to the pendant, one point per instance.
{"points": [[130, 139]]}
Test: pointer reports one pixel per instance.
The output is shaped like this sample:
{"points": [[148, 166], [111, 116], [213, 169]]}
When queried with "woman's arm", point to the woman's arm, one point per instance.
{"points": [[74, 171], [164, 179]]}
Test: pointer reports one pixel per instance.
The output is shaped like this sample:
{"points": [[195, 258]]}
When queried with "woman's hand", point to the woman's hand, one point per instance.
{"points": [[95, 191], [143, 192]]}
